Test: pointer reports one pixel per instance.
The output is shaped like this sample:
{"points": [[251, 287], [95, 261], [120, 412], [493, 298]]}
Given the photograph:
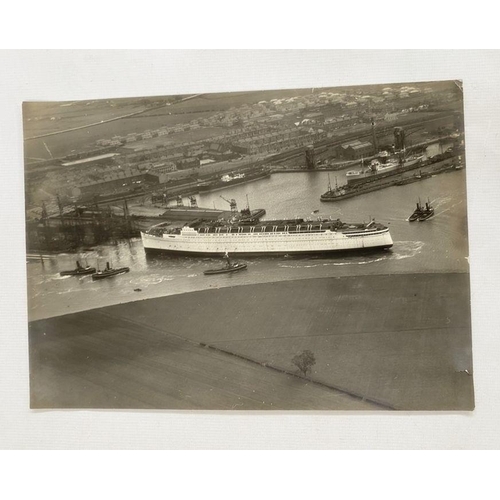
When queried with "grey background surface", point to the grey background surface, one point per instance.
{"points": [[86, 75]]}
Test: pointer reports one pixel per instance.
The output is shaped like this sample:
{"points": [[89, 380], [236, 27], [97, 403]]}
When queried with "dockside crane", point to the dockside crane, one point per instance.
{"points": [[232, 204]]}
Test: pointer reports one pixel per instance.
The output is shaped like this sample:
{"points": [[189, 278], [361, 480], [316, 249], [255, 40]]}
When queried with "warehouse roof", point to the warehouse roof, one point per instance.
{"points": [[363, 145], [89, 160]]}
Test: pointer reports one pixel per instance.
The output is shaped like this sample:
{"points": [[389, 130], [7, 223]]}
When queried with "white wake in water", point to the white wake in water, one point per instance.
{"points": [[400, 250], [56, 277], [448, 209], [406, 249], [344, 262], [150, 279]]}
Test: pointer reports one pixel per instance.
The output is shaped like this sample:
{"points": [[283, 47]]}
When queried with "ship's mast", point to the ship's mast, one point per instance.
{"points": [[374, 135], [61, 209]]}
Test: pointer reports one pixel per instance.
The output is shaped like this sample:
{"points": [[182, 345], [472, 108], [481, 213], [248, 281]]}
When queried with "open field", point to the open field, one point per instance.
{"points": [[77, 140], [391, 341], [48, 117], [68, 115]]}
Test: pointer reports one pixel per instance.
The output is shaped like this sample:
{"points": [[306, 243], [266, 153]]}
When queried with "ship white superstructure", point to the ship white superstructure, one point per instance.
{"points": [[276, 237]]}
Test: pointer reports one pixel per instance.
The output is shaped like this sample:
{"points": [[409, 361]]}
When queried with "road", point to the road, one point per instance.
{"points": [[109, 120]]}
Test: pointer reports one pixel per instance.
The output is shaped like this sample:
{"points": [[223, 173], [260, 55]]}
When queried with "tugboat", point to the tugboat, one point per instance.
{"points": [[230, 267], [79, 271], [417, 213], [427, 212], [248, 216], [108, 272]]}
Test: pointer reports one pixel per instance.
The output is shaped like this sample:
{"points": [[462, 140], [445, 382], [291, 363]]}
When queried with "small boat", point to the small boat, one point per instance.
{"points": [[79, 271], [109, 272], [230, 267], [427, 212], [417, 213]]}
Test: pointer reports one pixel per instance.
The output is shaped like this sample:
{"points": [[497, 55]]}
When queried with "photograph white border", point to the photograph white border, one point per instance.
{"points": [[72, 75]]}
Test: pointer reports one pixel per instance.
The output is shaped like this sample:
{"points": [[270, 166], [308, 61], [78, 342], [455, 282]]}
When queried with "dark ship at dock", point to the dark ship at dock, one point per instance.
{"points": [[387, 170], [190, 211], [232, 179], [383, 165]]}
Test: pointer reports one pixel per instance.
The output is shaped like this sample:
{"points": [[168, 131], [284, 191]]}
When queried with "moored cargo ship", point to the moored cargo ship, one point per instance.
{"points": [[378, 170], [397, 177], [232, 179], [267, 237], [190, 213]]}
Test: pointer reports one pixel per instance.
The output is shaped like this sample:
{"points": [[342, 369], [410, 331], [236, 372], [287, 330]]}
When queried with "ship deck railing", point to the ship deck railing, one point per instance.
{"points": [[296, 229]]}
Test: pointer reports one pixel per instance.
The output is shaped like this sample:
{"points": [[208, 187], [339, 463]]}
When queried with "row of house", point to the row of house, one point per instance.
{"points": [[272, 143], [272, 111], [119, 140], [264, 142]]}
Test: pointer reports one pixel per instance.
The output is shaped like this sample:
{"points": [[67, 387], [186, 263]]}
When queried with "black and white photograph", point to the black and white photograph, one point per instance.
{"points": [[289, 249]]}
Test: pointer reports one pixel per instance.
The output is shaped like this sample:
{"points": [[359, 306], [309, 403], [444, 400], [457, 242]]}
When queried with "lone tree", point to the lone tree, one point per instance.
{"points": [[304, 361]]}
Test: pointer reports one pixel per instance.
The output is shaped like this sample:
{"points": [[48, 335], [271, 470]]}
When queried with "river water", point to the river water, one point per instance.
{"points": [[437, 245]]}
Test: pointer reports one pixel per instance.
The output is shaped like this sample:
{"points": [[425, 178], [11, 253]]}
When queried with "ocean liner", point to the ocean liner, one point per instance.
{"points": [[266, 237]]}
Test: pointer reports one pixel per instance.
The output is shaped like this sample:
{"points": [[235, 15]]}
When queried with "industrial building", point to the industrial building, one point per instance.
{"points": [[191, 162], [101, 159], [355, 150], [159, 172]]}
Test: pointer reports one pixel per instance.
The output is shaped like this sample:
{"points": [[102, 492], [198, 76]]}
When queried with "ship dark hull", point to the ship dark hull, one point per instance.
{"points": [[338, 252], [83, 272], [383, 175], [424, 217], [340, 197], [110, 274], [233, 269]]}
